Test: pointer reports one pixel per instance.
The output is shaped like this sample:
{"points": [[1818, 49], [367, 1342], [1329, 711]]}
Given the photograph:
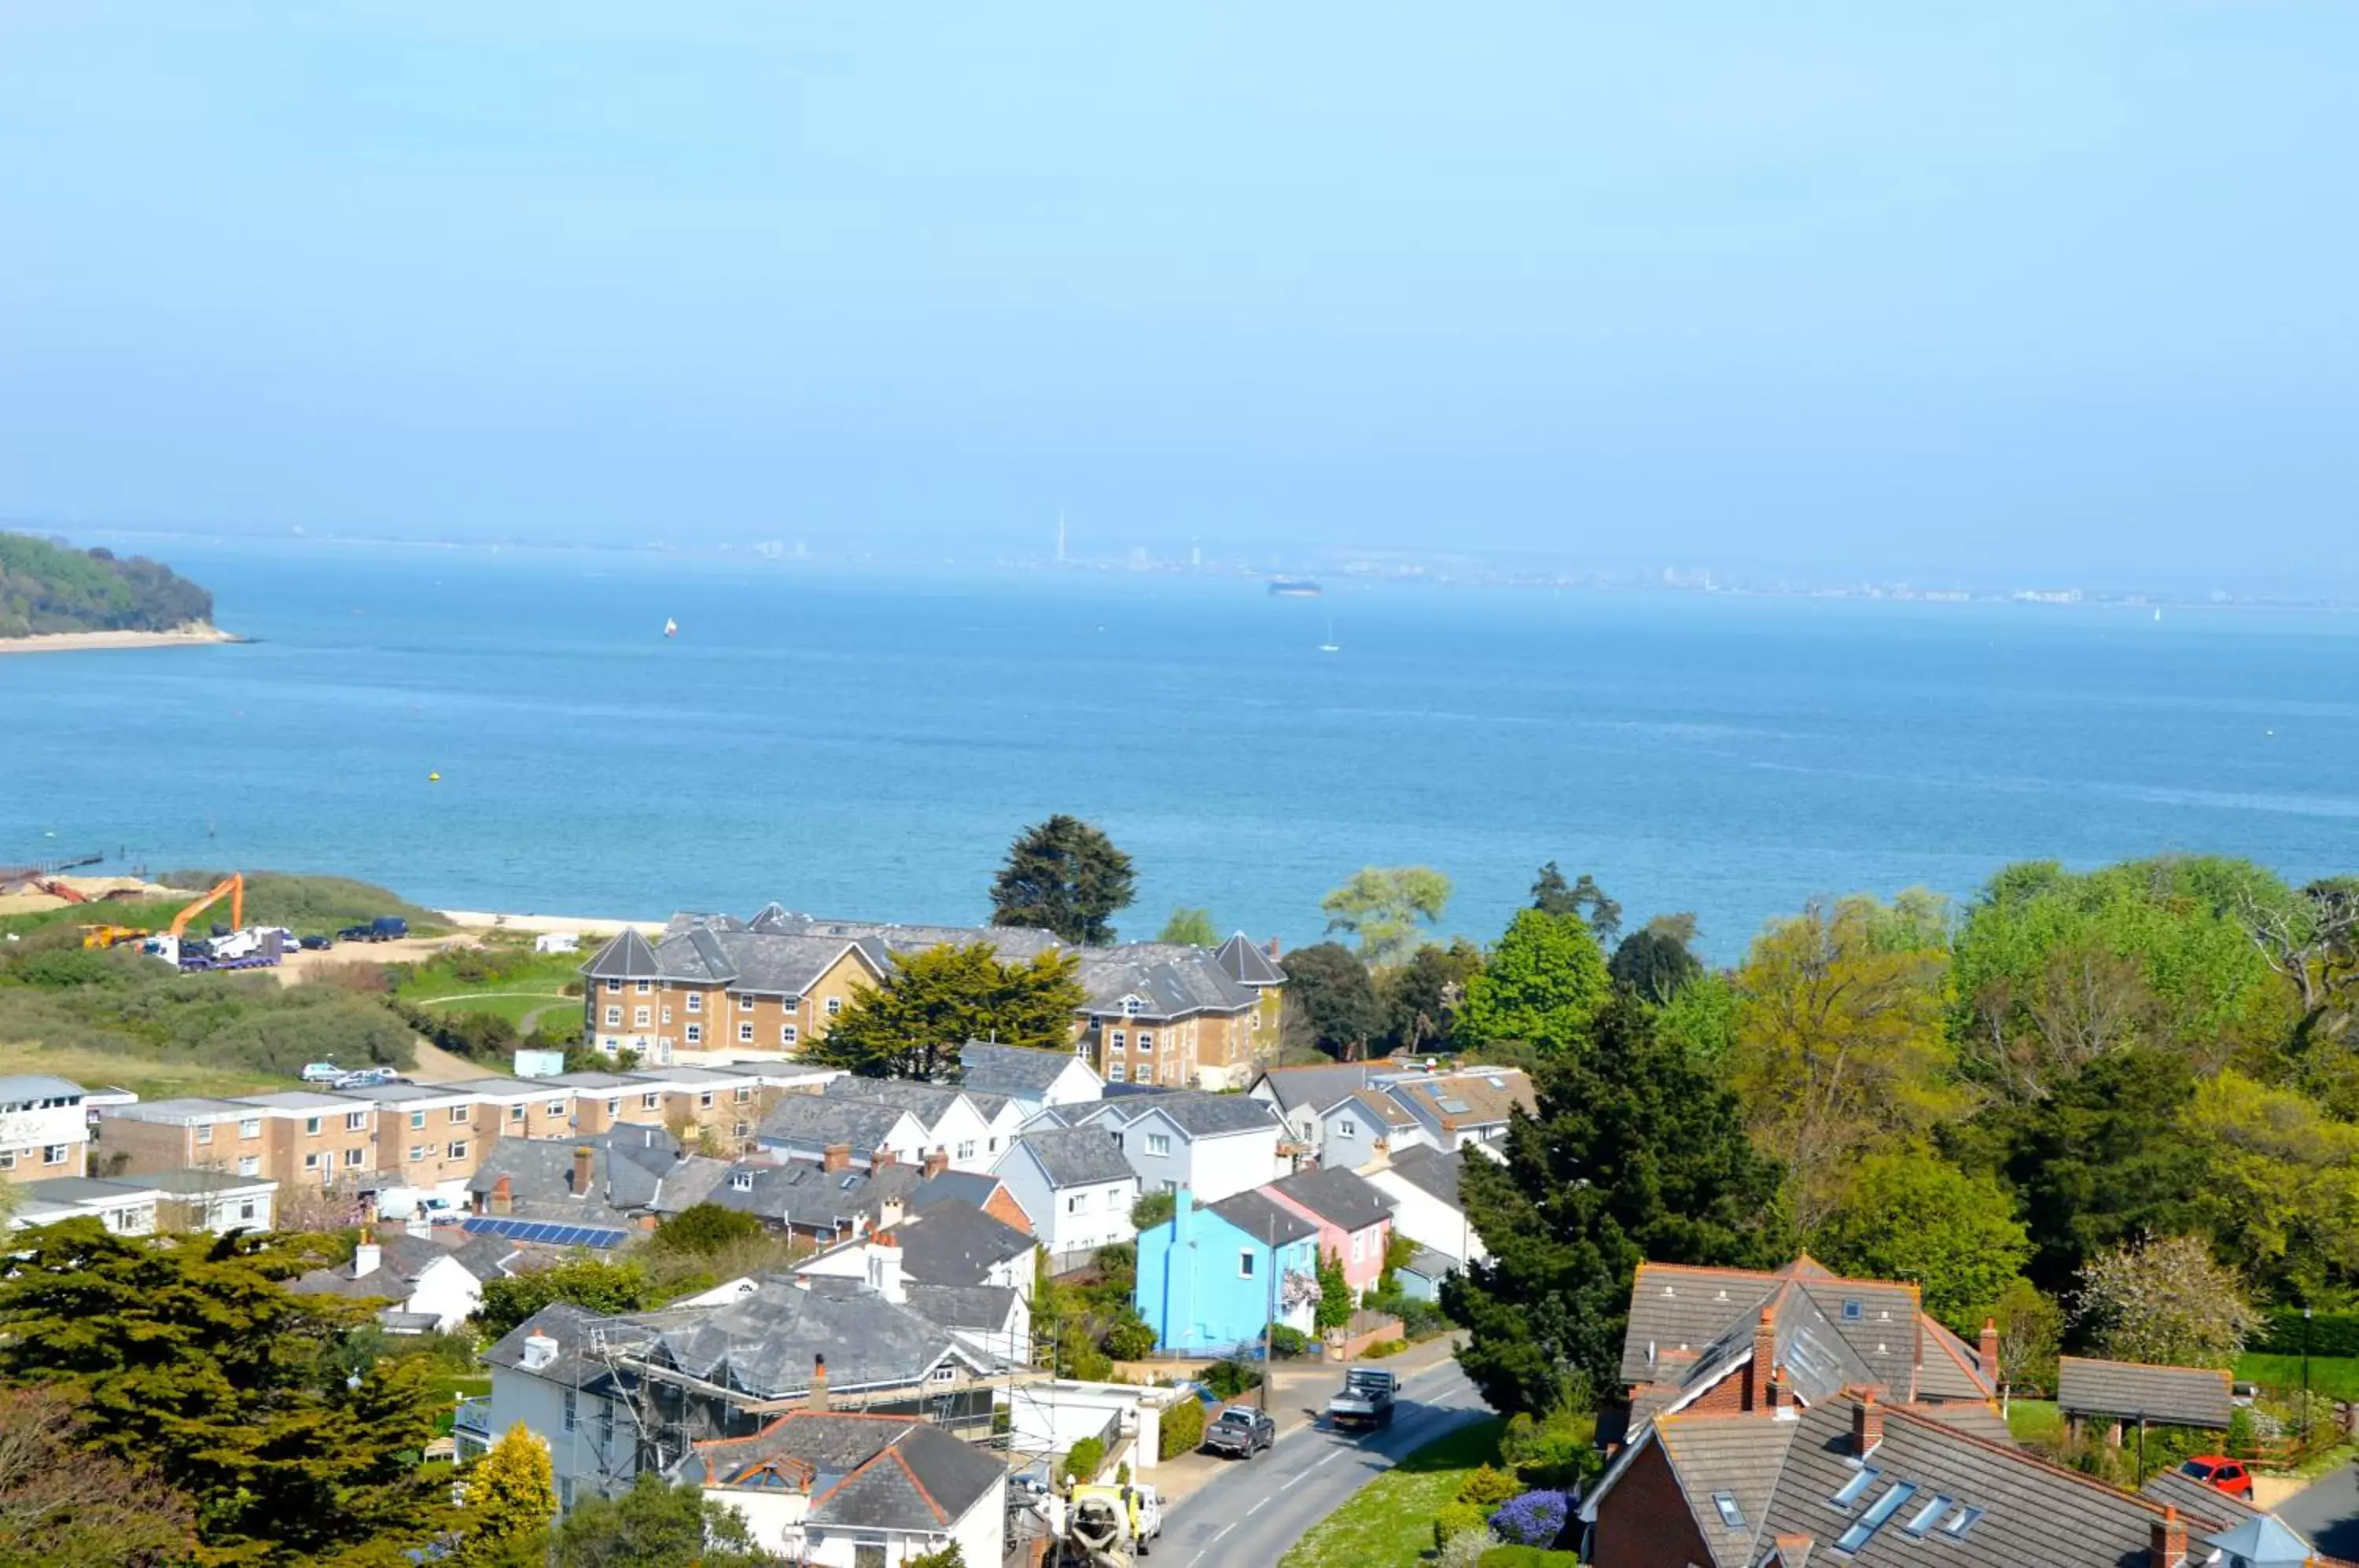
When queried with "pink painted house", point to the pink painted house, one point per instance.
{"points": [[1354, 1218]]}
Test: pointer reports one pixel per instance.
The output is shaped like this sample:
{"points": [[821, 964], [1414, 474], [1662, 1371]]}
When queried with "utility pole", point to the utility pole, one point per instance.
{"points": [[1269, 1316]]}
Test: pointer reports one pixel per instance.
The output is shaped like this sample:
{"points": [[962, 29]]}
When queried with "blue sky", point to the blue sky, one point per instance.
{"points": [[2042, 284]]}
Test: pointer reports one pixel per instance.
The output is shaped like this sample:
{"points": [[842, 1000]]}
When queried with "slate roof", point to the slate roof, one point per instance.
{"points": [[38, 1086], [799, 1193], [1255, 1214], [821, 1120], [1380, 1108], [864, 1472], [627, 957], [969, 1189], [721, 950], [2173, 1396], [629, 1168], [2190, 1495], [402, 1259], [928, 1102], [1012, 1069], [1247, 964], [1076, 1157], [1427, 1263], [946, 1244], [1171, 981], [1314, 1089], [569, 1325], [1429, 1170], [1737, 1455], [1343, 1198], [1200, 1114], [767, 1343], [1830, 1331], [978, 1309]]}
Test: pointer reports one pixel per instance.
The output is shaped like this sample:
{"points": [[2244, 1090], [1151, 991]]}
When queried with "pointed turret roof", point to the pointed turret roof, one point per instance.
{"points": [[1247, 964], [628, 957]]}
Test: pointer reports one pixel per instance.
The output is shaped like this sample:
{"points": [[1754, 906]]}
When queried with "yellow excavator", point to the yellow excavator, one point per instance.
{"points": [[114, 936]]}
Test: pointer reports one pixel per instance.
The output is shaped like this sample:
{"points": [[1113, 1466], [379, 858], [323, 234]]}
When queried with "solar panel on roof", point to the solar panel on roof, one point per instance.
{"points": [[544, 1232]]}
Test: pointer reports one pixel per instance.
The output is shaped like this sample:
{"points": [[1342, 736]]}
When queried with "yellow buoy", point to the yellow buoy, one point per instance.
{"points": [[434, 779]]}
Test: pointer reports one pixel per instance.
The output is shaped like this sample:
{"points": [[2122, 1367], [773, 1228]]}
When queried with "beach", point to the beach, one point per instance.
{"points": [[75, 642], [479, 920]]}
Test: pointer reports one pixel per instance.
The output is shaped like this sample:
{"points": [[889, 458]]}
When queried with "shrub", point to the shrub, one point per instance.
{"points": [[1285, 1342], [1227, 1379], [1553, 1452], [1130, 1338], [1487, 1487], [1461, 1518], [2328, 1333], [1082, 1460], [1466, 1549], [1382, 1349], [1535, 1519], [1181, 1430]]}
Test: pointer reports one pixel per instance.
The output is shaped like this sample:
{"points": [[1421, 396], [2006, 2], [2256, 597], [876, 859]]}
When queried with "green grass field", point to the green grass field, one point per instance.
{"points": [[2035, 1420], [1388, 1524], [2336, 1376], [146, 1076], [513, 1005]]}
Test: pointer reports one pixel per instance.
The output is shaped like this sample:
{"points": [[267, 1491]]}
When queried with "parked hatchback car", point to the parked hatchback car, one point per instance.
{"points": [[2217, 1470]]}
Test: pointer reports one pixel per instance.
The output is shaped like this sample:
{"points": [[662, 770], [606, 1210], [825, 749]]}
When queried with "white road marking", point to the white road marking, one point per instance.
{"points": [[1256, 1509], [1224, 1529], [1329, 1459]]}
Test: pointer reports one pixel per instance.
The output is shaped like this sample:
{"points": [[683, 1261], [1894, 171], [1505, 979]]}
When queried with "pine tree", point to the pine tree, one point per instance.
{"points": [[511, 1498], [1063, 875], [937, 999]]}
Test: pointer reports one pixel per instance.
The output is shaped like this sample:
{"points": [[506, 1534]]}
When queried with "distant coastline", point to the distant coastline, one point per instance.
{"points": [[74, 642]]}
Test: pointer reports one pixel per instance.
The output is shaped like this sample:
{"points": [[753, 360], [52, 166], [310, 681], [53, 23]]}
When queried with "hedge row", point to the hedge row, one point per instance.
{"points": [[2328, 1333]]}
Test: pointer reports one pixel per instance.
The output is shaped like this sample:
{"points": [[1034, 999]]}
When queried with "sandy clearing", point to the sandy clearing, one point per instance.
{"points": [[480, 919], [73, 642]]}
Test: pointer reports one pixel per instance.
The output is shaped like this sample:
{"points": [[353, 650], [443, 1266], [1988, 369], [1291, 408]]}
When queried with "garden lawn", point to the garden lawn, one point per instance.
{"points": [[2337, 1377], [514, 1006], [2035, 1420], [1388, 1524]]}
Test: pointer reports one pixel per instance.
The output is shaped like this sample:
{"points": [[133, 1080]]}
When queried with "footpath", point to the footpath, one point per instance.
{"points": [[1298, 1392]]}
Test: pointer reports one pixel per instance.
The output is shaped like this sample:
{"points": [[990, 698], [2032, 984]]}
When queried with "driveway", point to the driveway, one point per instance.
{"points": [[2327, 1512]]}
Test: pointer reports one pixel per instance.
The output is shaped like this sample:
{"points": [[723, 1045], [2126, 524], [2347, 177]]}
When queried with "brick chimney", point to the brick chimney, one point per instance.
{"points": [[1765, 1358], [1866, 1424], [937, 1163], [1272, 949], [835, 1157], [585, 1163], [1988, 1349], [818, 1398], [882, 1159], [367, 1255], [2166, 1540], [503, 1196]]}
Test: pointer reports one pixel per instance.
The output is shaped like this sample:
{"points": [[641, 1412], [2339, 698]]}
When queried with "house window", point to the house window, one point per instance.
{"points": [[614, 1018], [1073, 1203], [789, 1034], [868, 1554], [743, 1094], [1158, 1143], [966, 1150], [569, 1413], [641, 988], [311, 1161], [1114, 1072], [245, 1210], [1359, 1246], [695, 1003], [1120, 1040], [946, 1373], [416, 1152], [1114, 1199], [649, 1102], [55, 1154], [516, 1113], [249, 1165], [744, 1034], [638, 1018], [737, 1129], [741, 1181], [1147, 1039], [556, 1107], [310, 1127], [458, 1150], [205, 1133], [8, 1160], [353, 1157], [250, 1127], [834, 1005], [1347, 1128], [1244, 1264], [1253, 1022], [458, 1113], [614, 987], [696, 1034], [1730, 1514], [705, 1101], [417, 1120], [614, 1108], [355, 1121]]}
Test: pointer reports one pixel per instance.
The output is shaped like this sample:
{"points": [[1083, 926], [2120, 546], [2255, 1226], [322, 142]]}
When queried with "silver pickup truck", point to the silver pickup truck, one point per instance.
{"points": [[1367, 1400]]}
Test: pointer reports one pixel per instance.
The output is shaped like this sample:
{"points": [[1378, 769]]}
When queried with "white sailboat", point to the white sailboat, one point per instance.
{"points": [[671, 628], [1331, 644]]}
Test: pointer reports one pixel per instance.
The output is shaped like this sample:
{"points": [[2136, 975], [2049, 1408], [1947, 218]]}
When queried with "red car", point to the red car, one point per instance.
{"points": [[2218, 1470]]}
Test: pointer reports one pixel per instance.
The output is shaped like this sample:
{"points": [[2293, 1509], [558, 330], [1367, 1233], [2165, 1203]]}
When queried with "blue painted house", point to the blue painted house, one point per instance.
{"points": [[1209, 1277]]}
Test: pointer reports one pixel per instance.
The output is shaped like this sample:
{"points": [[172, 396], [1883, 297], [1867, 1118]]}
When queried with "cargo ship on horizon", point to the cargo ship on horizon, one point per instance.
{"points": [[1294, 588]]}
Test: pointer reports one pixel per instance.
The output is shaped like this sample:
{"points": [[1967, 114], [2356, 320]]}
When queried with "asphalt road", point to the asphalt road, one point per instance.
{"points": [[2327, 1511], [1249, 1515]]}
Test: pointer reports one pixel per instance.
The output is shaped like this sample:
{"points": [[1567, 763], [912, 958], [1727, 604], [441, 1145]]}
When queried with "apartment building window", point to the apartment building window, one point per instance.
{"points": [[614, 1109], [556, 1107], [516, 1113], [205, 1132], [55, 1154], [695, 1002], [966, 1150], [355, 1120], [695, 1034], [746, 1003], [1119, 1039], [614, 1018], [738, 1130], [250, 1127], [743, 1094], [744, 1034], [789, 1034], [834, 1005], [416, 1152], [353, 1157], [1158, 1143], [650, 1101], [458, 1150], [614, 987], [312, 1127], [1147, 1039], [667, 1016], [417, 1120], [249, 1165], [570, 1414], [641, 988], [458, 1113], [311, 1161], [1113, 1073], [640, 1017]]}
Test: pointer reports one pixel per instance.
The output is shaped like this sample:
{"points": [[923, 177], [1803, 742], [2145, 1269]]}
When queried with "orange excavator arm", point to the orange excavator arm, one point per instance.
{"points": [[233, 884]]}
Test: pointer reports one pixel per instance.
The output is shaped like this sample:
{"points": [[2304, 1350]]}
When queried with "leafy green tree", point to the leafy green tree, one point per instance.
{"points": [[937, 999], [950, 1556], [2167, 1301], [2280, 1187], [61, 1504], [1636, 1154], [1151, 1210], [706, 1229], [655, 1525], [1654, 963], [194, 1359], [46, 587], [1841, 1047], [511, 1498], [588, 1282], [1382, 905], [2030, 1328], [1330, 1000], [1421, 997], [1551, 894], [1908, 1215], [1541, 984], [1701, 1018], [1334, 1306], [1062, 875], [1190, 927]]}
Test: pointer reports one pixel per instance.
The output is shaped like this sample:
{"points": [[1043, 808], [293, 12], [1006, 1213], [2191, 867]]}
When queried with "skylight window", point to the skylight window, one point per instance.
{"points": [[1730, 1514], [1964, 1520], [1883, 1508], [1923, 1518], [1855, 1489], [1851, 1310]]}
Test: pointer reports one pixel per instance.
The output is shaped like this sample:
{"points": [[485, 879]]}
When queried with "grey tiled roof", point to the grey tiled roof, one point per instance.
{"points": [[1247, 964], [1011, 1068], [1313, 1088], [1076, 1157], [880, 1473], [1273, 1223], [2177, 1489], [946, 1244], [1737, 1455], [1432, 1265], [720, 950], [928, 1102], [1977, 1418], [1343, 1198], [767, 1343], [978, 1309], [1169, 980], [627, 957], [1950, 1368], [628, 1167], [824, 1119], [1832, 1332], [1200, 1114], [1430, 1170], [2174, 1396]]}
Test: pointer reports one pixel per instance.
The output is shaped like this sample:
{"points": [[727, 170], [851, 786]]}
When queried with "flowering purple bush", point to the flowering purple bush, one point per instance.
{"points": [[1535, 1519]]}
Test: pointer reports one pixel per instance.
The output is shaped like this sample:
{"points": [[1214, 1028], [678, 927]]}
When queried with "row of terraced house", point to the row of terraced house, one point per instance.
{"points": [[1160, 1013]]}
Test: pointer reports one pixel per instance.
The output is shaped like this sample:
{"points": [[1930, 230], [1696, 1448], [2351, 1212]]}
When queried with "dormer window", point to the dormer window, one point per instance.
{"points": [[741, 1181], [1130, 1005]]}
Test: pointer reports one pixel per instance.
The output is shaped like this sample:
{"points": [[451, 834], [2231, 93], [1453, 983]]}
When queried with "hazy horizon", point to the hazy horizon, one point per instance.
{"points": [[2003, 289]]}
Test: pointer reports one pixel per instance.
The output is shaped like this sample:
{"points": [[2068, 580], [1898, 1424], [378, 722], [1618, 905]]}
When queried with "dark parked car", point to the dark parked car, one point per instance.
{"points": [[385, 928], [316, 944], [1240, 1432]]}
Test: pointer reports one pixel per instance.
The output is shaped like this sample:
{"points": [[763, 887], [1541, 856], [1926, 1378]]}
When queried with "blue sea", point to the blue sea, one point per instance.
{"points": [[865, 742]]}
